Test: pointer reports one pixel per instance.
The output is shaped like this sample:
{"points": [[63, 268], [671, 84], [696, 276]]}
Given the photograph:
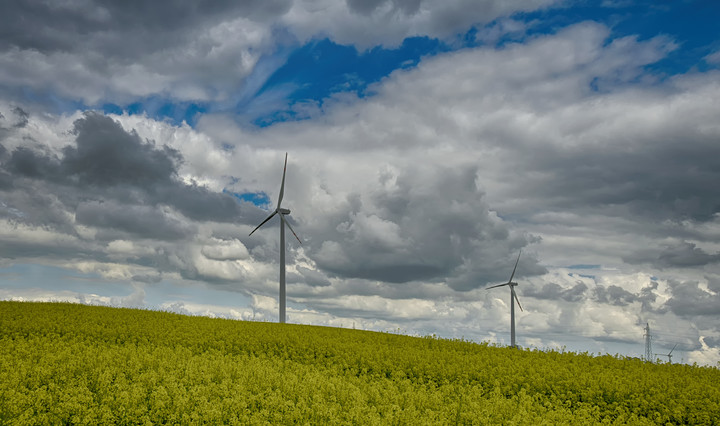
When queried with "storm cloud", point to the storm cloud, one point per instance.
{"points": [[430, 225], [109, 163]]}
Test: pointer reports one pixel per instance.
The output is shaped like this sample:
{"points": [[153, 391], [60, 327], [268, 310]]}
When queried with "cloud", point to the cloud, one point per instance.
{"points": [[553, 291], [388, 22], [312, 277], [139, 221], [110, 197], [677, 255], [713, 58], [121, 50], [225, 250], [108, 163], [106, 155], [412, 224], [689, 299], [117, 52]]}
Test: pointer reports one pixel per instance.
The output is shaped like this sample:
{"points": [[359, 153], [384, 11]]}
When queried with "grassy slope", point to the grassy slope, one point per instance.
{"points": [[87, 364]]}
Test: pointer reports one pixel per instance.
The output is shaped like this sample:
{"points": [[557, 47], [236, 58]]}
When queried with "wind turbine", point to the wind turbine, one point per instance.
{"points": [[669, 354], [282, 213], [513, 299]]}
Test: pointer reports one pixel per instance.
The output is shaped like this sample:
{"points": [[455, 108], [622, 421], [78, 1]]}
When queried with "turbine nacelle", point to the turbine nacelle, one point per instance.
{"points": [[283, 211]]}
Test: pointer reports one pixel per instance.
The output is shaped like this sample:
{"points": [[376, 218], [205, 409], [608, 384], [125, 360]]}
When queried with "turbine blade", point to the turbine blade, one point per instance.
{"points": [[671, 350], [290, 227], [495, 286], [263, 222], [516, 263], [282, 185], [516, 298]]}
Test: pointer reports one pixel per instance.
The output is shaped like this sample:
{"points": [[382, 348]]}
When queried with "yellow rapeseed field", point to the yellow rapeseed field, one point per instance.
{"points": [[64, 363]]}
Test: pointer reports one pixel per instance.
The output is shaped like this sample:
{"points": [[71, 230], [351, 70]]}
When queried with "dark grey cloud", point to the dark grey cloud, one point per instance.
{"points": [[199, 203], [419, 225], [680, 255], [5, 181], [108, 186], [665, 175], [310, 277], [18, 119], [106, 155], [686, 255], [367, 7], [5, 177], [689, 300], [553, 291], [614, 295], [108, 163], [22, 117], [648, 296], [139, 221], [29, 163], [713, 342], [148, 278], [119, 28]]}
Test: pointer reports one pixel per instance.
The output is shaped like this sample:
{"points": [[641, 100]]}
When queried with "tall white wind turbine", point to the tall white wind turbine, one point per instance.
{"points": [[282, 213], [513, 299]]}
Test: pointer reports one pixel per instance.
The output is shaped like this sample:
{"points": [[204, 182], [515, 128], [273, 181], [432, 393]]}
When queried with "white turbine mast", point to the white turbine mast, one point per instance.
{"points": [[283, 222], [513, 299], [669, 354]]}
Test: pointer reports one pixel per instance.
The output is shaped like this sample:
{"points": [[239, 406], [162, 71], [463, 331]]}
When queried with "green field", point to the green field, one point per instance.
{"points": [[65, 363]]}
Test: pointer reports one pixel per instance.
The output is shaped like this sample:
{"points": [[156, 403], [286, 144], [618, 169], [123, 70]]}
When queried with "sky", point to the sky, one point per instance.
{"points": [[429, 144]]}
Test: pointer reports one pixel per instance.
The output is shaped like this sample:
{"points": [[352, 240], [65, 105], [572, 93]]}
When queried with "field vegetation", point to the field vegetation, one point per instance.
{"points": [[64, 363]]}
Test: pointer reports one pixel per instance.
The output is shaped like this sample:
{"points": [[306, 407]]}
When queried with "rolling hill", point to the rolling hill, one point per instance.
{"points": [[65, 363]]}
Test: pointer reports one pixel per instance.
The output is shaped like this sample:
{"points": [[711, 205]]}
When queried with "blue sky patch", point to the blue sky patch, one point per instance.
{"points": [[260, 199], [161, 109], [321, 68], [583, 266]]}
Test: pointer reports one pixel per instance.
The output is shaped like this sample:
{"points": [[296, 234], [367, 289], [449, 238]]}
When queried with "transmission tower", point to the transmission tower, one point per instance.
{"points": [[648, 343]]}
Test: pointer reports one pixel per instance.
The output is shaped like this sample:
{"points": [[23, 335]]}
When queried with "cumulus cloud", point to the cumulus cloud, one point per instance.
{"points": [[419, 225], [110, 164], [388, 22], [690, 299], [679, 255], [554, 291], [109, 51], [109, 196]]}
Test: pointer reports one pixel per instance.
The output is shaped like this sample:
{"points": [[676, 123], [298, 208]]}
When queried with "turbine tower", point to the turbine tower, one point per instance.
{"points": [[669, 354], [513, 299], [282, 213]]}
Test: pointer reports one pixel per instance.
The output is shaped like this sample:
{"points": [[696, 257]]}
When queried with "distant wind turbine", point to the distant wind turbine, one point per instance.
{"points": [[669, 354], [513, 299], [282, 213]]}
